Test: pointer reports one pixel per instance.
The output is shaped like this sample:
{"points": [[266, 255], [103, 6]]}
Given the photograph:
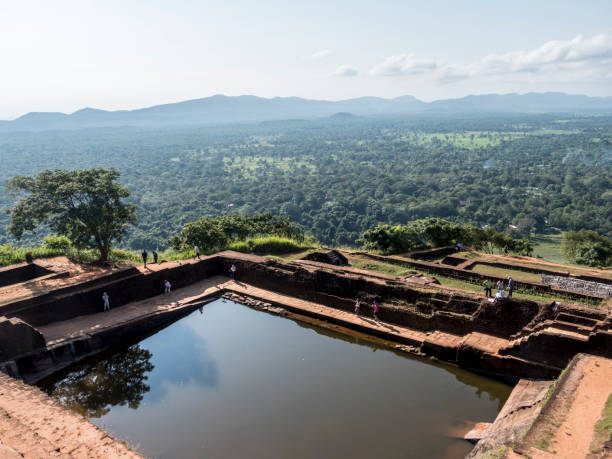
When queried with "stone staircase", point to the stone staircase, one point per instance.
{"points": [[571, 325]]}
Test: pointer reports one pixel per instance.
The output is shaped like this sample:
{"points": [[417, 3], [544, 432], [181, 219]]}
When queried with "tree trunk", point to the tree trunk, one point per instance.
{"points": [[103, 253]]}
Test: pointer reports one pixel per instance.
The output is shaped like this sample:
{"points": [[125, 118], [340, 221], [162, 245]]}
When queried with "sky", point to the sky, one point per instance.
{"points": [[62, 55]]}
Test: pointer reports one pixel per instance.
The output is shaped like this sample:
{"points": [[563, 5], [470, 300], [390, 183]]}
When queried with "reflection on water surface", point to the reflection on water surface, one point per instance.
{"points": [[235, 382]]}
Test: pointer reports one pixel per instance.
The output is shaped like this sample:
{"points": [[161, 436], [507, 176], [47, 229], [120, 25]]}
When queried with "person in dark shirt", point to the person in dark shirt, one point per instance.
{"points": [[154, 257], [144, 257]]}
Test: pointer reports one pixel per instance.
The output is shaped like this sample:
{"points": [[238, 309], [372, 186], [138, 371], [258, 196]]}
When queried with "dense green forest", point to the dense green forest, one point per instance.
{"points": [[339, 176]]}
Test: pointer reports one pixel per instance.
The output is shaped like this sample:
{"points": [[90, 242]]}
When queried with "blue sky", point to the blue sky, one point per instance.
{"points": [[65, 55]]}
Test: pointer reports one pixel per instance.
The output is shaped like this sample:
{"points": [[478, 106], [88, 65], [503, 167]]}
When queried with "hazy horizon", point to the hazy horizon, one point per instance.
{"points": [[276, 97], [67, 55]]}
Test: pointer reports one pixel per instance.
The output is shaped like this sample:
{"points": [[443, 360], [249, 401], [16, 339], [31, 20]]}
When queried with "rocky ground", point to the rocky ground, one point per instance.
{"points": [[76, 273], [32, 425]]}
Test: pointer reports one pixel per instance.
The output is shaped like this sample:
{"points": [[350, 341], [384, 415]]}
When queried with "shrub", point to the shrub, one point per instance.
{"points": [[268, 245], [55, 242], [211, 234]]}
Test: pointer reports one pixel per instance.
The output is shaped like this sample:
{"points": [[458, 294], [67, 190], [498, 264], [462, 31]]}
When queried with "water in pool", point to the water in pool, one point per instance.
{"points": [[233, 382]]}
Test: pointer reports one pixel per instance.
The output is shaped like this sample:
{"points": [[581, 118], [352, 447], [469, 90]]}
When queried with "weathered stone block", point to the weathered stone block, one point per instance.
{"points": [[18, 337]]}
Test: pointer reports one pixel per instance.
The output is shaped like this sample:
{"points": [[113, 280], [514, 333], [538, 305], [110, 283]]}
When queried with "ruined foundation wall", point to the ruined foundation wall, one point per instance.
{"points": [[466, 274], [22, 273], [453, 313], [423, 309], [88, 299], [588, 288]]}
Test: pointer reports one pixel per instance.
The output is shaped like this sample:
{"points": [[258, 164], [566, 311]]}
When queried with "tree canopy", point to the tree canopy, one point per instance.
{"points": [[587, 248], [217, 232], [338, 177], [86, 206], [436, 232]]}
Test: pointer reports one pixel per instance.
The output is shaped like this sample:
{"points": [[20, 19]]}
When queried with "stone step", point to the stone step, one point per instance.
{"points": [[559, 331], [577, 319], [573, 327]]}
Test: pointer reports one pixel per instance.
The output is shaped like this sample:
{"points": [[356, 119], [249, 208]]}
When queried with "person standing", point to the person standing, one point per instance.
{"points": [[233, 272], [510, 286], [197, 252], [105, 299], [488, 287], [500, 285], [357, 306], [144, 257], [154, 257], [167, 286], [376, 309]]}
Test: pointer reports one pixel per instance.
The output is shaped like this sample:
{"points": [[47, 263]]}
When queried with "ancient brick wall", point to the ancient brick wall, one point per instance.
{"points": [[584, 287]]}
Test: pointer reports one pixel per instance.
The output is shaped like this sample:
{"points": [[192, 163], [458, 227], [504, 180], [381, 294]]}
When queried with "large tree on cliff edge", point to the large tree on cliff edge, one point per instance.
{"points": [[84, 205]]}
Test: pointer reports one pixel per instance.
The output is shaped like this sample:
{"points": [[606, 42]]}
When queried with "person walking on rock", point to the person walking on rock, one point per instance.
{"points": [[144, 257], [510, 286], [197, 252], [167, 286], [357, 306], [376, 309], [105, 299], [154, 257], [488, 287], [233, 272]]}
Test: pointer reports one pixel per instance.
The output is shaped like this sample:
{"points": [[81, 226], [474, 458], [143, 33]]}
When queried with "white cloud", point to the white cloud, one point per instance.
{"points": [[404, 64], [346, 71], [321, 54], [568, 60]]}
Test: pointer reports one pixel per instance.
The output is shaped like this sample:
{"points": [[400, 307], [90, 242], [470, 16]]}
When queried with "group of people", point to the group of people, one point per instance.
{"points": [[145, 256], [375, 308], [501, 293]]}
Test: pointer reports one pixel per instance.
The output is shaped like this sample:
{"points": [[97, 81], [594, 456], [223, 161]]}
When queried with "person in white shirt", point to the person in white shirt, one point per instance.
{"points": [[233, 272], [167, 286], [197, 252]]}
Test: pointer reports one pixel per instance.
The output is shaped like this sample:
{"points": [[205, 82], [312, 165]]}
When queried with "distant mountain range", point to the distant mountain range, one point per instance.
{"points": [[221, 109]]}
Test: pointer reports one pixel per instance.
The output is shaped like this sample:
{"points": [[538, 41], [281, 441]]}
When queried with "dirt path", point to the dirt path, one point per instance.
{"points": [[566, 425], [573, 437]]}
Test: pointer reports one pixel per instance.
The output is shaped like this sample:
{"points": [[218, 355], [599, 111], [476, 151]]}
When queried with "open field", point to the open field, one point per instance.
{"points": [[548, 246]]}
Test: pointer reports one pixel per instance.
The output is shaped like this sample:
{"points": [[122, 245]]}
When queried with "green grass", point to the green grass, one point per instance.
{"points": [[378, 266], [603, 428], [548, 247], [504, 273], [10, 254]]}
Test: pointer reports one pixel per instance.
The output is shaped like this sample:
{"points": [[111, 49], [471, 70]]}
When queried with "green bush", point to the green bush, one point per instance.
{"points": [[55, 242], [215, 233], [587, 248], [268, 245], [436, 232]]}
